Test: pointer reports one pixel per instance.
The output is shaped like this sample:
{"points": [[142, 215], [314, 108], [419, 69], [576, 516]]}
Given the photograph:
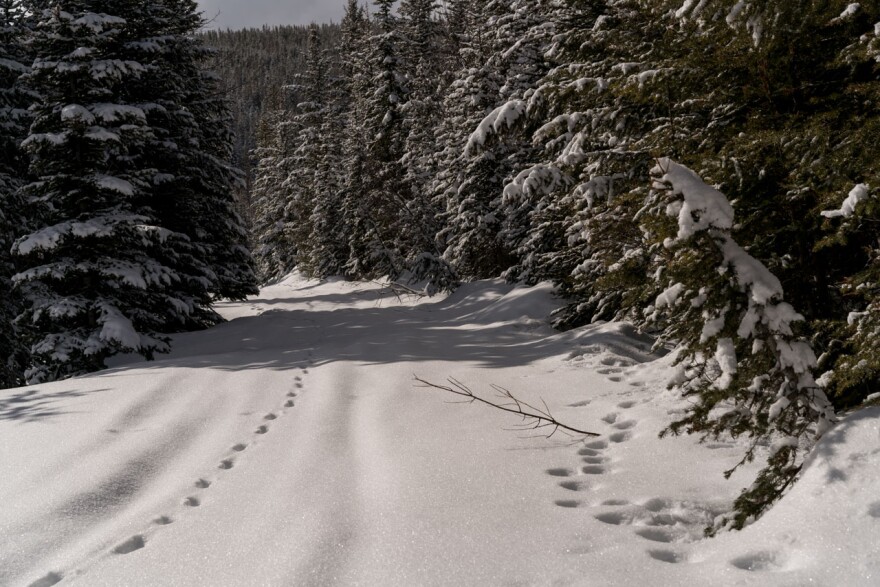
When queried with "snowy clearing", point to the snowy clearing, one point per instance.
{"points": [[290, 446]]}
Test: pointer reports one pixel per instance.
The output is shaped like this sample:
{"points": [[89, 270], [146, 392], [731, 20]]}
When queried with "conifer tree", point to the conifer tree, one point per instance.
{"points": [[329, 245], [384, 189], [468, 185], [133, 228], [274, 251], [14, 120], [356, 71], [90, 268]]}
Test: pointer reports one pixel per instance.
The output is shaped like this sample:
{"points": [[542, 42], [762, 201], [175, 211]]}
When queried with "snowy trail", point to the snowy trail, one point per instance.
{"points": [[290, 447]]}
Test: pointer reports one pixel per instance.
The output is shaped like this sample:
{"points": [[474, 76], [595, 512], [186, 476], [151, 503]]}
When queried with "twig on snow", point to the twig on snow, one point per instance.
{"points": [[534, 418]]}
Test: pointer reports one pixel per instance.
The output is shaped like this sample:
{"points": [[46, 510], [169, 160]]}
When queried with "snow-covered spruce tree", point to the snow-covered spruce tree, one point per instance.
{"points": [[273, 251], [301, 188], [14, 120], [384, 189], [329, 245], [428, 60], [356, 72], [468, 185], [90, 269], [746, 366], [195, 184]]}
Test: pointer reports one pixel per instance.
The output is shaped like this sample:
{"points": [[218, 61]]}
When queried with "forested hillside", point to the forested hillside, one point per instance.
{"points": [[258, 69], [672, 163]]}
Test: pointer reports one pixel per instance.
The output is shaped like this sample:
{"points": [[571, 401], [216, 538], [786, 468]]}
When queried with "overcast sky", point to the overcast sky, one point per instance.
{"points": [[237, 14]]}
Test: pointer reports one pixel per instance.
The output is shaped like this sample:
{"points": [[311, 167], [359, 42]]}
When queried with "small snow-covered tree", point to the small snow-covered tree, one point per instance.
{"points": [[746, 366]]}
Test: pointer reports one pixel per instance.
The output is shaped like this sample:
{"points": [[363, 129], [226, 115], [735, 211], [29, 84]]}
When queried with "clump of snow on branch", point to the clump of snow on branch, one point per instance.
{"points": [[858, 194], [497, 121]]}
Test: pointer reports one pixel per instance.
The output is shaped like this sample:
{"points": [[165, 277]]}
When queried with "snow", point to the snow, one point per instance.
{"points": [[115, 184], [703, 208], [115, 112], [290, 446], [116, 327], [751, 274], [856, 195], [850, 10], [14, 66], [725, 355], [500, 119], [669, 296], [77, 112], [97, 22]]}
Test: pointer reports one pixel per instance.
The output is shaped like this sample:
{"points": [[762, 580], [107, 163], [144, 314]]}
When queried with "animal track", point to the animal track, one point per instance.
{"points": [[226, 464], [655, 534], [239, 447], [626, 405], [262, 430], [613, 518], [667, 556], [615, 502], [163, 521], [297, 378], [874, 509], [136, 542], [202, 483], [192, 501], [269, 416], [574, 485], [590, 452], [619, 437], [615, 362], [766, 560], [560, 472], [625, 425], [595, 460], [637, 383], [593, 470], [47, 580], [289, 403], [298, 385], [607, 371], [597, 444], [657, 504], [580, 404], [615, 379], [610, 418], [567, 503]]}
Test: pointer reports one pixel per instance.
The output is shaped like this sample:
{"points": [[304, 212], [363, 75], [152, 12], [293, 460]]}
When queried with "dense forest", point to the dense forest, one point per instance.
{"points": [[706, 170], [675, 164]]}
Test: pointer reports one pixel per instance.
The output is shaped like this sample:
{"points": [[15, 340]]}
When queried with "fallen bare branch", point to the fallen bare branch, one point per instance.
{"points": [[534, 418]]}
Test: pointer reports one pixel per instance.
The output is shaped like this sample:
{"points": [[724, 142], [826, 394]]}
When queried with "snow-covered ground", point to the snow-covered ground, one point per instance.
{"points": [[290, 446]]}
